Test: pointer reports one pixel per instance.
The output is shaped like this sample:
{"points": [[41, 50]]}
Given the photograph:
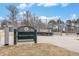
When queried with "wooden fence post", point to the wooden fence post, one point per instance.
{"points": [[11, 36], [6, 32]]}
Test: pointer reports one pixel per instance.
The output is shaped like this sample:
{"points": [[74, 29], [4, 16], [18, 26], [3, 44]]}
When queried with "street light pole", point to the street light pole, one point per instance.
{"points": [[46, 24]]}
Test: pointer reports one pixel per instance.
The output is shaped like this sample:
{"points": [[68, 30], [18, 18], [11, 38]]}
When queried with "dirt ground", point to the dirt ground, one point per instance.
{"points": [[40, 49]]}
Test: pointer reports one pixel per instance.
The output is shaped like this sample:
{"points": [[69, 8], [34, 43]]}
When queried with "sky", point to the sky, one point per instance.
{"points": [[48, 11]]}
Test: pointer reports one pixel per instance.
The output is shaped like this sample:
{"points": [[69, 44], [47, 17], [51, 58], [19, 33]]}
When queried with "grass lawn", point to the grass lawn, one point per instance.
{"points": [[40, 49]]}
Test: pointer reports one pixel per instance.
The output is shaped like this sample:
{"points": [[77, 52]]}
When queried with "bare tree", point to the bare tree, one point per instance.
{"points": [[13, 13], [27, 17], [32, 20]]}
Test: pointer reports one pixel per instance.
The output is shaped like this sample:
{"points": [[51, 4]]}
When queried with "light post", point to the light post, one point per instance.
{"points": [[46, 24]]}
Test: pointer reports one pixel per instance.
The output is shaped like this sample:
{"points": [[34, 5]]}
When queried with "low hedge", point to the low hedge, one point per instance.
{"points": [[44, 33]]}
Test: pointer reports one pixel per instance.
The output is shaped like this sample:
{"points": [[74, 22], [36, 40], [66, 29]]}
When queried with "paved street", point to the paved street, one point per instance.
{"points": [[69, 42]]}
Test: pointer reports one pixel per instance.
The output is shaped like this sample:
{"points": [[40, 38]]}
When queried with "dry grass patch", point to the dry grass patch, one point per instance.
{"points": [[41, 49]]}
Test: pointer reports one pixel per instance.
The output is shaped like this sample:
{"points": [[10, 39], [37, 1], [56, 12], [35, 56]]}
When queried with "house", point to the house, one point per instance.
{"points": [[57, 28]]}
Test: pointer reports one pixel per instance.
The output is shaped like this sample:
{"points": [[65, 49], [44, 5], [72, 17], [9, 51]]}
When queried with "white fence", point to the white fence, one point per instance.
{"points": [[6, 36], [2, 38]]}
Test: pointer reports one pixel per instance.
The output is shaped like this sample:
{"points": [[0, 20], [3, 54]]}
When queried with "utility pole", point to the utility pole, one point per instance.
{"points": [[46, 25]]}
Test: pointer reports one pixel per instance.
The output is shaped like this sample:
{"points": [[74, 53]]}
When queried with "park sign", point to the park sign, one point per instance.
{"points": [[24, 33]]}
